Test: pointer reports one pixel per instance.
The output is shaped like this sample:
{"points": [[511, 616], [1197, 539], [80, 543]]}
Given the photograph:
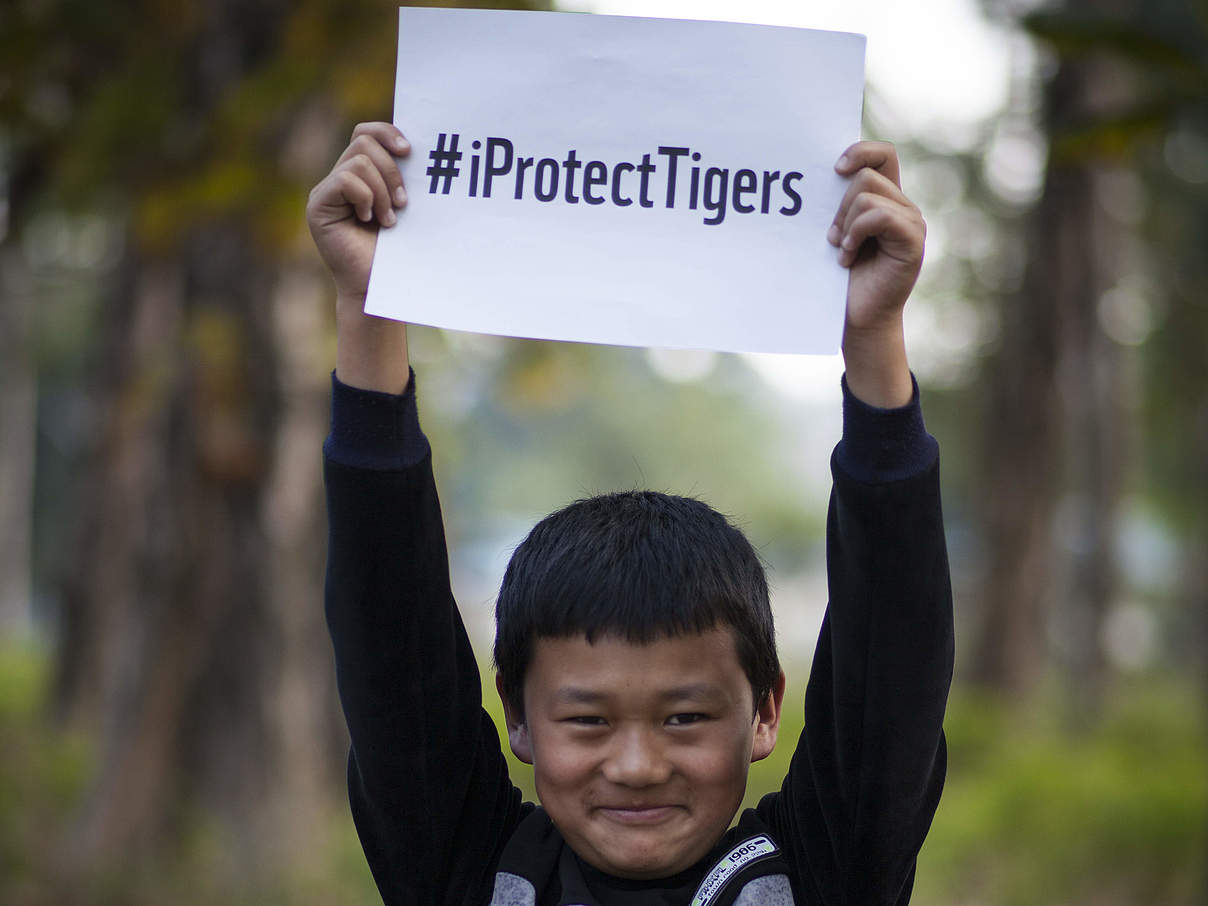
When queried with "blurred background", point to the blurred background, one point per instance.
{"points": [[169, 730]]}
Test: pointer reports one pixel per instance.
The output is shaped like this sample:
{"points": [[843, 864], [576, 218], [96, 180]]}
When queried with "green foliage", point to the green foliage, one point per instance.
{"points": [[44, 783], [44, 772], [1113, 137], [181, 113], [1034, 814], [1161, 69], [1073, 33]]}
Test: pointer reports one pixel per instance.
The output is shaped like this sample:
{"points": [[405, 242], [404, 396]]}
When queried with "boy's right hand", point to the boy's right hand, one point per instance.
{"points": [[344, 212], [361, 191]]}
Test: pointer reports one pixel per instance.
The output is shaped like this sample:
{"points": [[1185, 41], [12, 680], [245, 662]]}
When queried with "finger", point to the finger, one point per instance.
{"points": [[896, 231], [866, 220], [866, 201], [341, 195], [370, 147], [387, 134], [865, 182], [348, 191], [879, 156], [380, 202]]}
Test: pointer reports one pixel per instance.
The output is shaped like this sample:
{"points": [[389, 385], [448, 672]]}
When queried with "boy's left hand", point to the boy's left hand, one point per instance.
{"points": [[880, 234]]}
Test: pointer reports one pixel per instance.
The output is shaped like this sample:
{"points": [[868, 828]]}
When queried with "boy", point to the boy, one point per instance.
{"points": [[635, 650]]}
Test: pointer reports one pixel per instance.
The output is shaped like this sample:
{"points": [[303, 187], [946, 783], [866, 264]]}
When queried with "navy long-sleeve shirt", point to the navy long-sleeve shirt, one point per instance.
{"points": [[428, 783]]}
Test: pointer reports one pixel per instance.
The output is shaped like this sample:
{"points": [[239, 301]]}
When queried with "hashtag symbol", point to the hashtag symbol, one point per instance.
{"points": [[444, 163]]}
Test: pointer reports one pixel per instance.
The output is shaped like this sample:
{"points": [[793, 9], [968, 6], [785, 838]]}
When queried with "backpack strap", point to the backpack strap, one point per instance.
{"points": [[752, 871]]}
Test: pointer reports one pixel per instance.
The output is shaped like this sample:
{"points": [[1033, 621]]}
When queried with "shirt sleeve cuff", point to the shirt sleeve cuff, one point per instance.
{"points": [[881, 445], [374, 430]]}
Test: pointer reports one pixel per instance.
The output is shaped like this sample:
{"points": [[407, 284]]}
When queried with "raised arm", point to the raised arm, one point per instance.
{"points": [[866, 777], [427, 780]]}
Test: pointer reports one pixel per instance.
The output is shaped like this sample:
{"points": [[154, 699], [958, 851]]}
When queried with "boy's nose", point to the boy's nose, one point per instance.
{"points": [[636, 759]]}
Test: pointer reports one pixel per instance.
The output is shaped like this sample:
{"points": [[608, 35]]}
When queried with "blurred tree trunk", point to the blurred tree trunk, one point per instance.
{"points": [[1175, 366], [192, 623], [1053, 442], [191, 645], [1096, 453], [18, 418], [1022, 464]]}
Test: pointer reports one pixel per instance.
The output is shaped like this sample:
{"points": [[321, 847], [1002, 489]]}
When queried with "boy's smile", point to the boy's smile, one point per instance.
{"points": [[640, 752]]}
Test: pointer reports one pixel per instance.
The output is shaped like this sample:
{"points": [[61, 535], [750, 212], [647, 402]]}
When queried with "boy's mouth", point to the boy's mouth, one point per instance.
{"points": [[638, 815]]}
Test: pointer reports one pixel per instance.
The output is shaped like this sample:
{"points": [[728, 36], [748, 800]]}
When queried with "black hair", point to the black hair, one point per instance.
{"points": [[638, 565]]}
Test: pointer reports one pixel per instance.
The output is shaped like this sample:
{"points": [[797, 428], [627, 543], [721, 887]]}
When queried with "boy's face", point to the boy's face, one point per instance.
{"points": [[640, 752]]}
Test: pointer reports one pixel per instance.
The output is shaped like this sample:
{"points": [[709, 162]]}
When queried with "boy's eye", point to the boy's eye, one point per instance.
{"points": [[679, 720], [586, 720]]}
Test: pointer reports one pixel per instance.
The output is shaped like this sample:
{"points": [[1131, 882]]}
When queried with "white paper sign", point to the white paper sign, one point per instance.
{"points": [[644, 182]]}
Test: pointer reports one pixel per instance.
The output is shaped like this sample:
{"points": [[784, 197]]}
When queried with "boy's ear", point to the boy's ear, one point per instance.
{"points": [[767, 721], [518, 734]]}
